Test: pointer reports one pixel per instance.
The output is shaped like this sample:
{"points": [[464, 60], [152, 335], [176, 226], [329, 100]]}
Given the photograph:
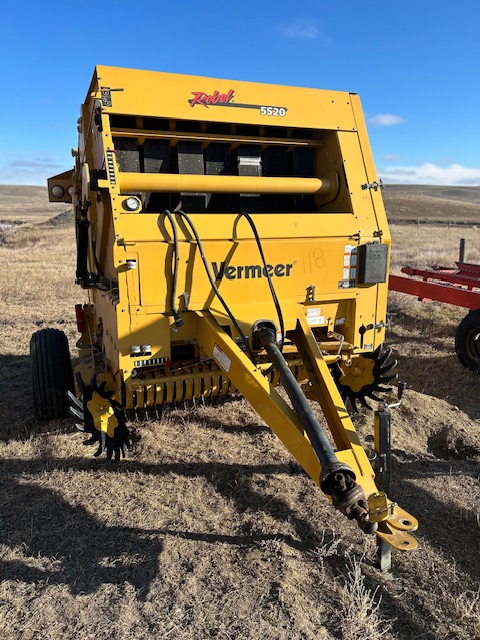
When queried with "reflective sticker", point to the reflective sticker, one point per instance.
{"points": [[339, 321], [222, 358], [314, 317], [249, 161]]}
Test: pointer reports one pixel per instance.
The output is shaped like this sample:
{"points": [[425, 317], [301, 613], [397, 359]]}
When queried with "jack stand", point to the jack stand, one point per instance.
{"points": [[383, 468], [382, 477]]}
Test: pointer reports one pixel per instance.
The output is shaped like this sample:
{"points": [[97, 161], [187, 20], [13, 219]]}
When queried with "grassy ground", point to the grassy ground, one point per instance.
{"points": [[210, 529]]}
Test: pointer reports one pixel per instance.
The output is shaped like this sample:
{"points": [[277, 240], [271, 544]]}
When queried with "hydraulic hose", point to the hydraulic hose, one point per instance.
{"points": [[269, 279], [337, 479], [214, 286], [176, 258]]}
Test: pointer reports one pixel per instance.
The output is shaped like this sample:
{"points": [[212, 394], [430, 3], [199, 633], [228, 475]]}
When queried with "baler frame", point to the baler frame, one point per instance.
{"points": [[160, 327]]}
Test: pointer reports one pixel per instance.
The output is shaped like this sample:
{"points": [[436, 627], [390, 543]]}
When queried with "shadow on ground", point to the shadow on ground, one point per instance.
{"points": [[86, 552], [17, 419]]}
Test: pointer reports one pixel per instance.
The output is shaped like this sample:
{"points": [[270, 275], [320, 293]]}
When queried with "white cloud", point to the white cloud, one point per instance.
{"points": [[29, 170], [298, 28], [429, 173], [390, 157], [385, 120]]}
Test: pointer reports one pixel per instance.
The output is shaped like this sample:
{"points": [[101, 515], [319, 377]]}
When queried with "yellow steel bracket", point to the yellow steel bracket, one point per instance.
{"points": [[325, 392], [379, 507], [396, 533], [103, 414], [394, 522], [251, 382], [285, 423]]}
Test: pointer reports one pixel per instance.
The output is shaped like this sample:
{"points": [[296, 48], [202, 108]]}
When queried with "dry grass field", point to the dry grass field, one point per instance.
{"points": [[209, 529]]}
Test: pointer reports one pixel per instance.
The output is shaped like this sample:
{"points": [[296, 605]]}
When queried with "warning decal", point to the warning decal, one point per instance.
{"points": [[222, 358]]}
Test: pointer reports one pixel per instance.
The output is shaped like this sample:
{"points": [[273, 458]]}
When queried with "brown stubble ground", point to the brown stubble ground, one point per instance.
{"points": [[210, 529]]}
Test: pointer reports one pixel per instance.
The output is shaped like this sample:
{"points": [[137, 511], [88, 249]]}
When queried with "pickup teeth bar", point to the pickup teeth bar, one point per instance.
{"points": [[195, 382], [187, 383]]}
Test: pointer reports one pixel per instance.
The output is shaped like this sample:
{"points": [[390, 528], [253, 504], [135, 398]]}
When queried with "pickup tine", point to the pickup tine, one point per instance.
{"points": [[76, 413], [80, 383], [74, 401]]}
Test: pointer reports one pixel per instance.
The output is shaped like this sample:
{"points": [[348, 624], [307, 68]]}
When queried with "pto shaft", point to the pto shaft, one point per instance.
{"points": [[310, 423], [337, 479]]}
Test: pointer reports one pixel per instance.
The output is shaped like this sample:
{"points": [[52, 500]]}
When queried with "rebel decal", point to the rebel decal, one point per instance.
{"points": [[207, 100], [219, 99]]}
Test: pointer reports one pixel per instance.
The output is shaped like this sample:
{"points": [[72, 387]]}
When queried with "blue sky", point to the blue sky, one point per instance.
{"points": [[416, 66]]}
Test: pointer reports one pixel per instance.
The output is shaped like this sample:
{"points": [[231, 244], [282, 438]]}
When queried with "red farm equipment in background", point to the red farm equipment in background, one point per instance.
{"points": [[460, 287]]}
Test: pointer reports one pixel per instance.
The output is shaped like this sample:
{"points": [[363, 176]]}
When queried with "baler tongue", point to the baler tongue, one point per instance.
{"points": [[344, 475]]}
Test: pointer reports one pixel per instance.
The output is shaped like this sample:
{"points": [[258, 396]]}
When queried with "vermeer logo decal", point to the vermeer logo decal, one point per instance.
{"points": [[250, 271], [207, 100]]}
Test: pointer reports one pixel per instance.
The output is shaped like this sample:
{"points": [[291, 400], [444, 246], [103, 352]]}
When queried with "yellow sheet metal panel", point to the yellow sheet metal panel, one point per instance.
{"points": [[229, 227], [239, 270], [168, 95]]}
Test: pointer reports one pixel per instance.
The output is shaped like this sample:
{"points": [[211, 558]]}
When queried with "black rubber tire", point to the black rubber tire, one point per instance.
{"points": [[467, 341], [52, 374]]}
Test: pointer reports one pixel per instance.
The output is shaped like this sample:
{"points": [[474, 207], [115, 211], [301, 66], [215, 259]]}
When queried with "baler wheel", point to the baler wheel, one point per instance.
{"points": [[373, 369], [467, 341], [52, 374]]}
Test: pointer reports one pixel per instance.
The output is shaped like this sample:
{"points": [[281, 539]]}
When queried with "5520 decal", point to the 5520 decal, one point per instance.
{"points": [[273, 111]]}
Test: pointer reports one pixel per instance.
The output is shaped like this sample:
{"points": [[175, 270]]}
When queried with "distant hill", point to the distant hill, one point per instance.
{"points": [[432, 204], [403, 203], [463, 194], [21, 201], [19, 193]]}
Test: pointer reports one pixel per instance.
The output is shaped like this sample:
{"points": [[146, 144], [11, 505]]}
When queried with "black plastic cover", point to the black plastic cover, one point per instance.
{"points": [[373, 260]]}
